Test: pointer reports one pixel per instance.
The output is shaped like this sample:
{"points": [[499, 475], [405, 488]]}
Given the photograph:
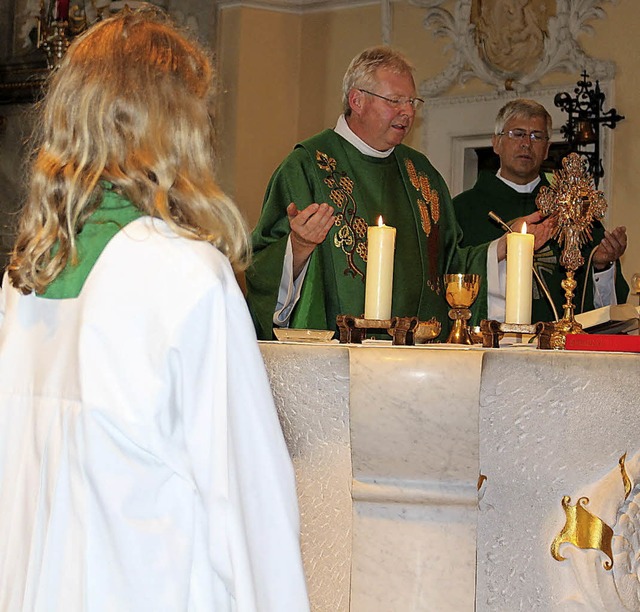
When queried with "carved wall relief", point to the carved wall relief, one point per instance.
{"points": [[512, 44], [510, 35]]}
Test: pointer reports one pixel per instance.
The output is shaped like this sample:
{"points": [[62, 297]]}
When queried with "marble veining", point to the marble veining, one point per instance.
{"points": [[388, 444], [414, 492], [311, 392]]}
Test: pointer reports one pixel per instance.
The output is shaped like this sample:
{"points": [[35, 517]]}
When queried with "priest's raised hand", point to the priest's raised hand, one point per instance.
{"points": [[611, 248], [543, 228], [309, 227]]}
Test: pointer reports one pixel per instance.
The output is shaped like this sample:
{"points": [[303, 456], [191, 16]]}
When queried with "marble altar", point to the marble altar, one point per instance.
{"points": [[431, 477]]}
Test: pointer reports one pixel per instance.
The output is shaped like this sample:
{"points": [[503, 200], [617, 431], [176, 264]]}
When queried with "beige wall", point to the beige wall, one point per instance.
{"points": [[614, 39], [283, 72], [259, 61]]}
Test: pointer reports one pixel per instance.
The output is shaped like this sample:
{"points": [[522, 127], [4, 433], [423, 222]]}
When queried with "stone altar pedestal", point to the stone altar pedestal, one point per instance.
{"points": [[431, 477]]}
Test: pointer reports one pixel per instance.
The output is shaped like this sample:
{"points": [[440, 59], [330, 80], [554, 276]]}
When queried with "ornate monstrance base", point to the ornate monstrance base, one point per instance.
{"points": [[549, 335], [568, 324]]}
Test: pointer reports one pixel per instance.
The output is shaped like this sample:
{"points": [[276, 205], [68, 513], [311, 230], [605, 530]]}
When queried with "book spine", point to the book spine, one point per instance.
{"points": [[603, 342]]}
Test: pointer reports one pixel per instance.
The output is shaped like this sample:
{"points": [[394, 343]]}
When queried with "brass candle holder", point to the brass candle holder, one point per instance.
{"points": [[405, 331], [354, 329], [461, 291]]}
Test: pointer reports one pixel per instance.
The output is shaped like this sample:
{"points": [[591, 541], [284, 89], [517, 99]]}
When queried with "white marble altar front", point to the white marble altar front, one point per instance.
{"points": [[389, 443]]}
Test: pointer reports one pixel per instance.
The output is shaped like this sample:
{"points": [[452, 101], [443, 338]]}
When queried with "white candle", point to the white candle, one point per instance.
{"points": [[381, 241], [519, 276]]}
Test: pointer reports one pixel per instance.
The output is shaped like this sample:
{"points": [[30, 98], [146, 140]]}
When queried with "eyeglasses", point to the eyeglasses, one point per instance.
{"points": [[415, 103], [520, 134]]}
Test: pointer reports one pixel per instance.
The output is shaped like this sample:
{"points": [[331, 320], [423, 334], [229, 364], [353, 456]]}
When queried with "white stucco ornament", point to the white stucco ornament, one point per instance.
{"points": [[626, 551], [512, 45], [595, 588]]}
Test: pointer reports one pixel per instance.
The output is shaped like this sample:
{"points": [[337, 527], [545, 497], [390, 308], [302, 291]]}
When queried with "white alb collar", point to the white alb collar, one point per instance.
{"points": [[528, 188], [342, 128]]}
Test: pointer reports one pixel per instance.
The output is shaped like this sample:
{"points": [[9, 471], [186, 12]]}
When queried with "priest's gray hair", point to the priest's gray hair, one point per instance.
{"points": [[361, 72], [522, 107]]}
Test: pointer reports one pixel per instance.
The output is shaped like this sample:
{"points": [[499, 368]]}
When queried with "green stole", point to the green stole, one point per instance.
{"points": [[104, 223], [411, 196]]}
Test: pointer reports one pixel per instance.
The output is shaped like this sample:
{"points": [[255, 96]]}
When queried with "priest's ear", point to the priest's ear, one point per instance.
{"points": [[495, 141], [356, 101]]}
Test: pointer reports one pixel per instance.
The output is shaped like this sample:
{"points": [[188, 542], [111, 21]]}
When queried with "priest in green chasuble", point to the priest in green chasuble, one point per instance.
{"points": [[310, 244], [521, 141]]}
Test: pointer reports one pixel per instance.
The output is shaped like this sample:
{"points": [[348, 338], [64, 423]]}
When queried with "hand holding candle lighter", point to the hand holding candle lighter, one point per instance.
{"points": [[381, 241]]}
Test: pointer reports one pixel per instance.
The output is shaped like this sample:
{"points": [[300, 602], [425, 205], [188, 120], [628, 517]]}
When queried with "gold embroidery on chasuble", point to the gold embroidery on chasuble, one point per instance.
{"points": [[428, 202], [544, 260], [351, 235]]}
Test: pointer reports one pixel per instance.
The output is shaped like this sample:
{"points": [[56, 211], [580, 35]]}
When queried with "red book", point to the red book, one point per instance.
{"points": [[603, 342]]}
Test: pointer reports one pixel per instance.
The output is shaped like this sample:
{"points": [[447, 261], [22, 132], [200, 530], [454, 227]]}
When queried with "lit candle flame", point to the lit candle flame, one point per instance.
{"points": [[524, 228], [380, 221]]}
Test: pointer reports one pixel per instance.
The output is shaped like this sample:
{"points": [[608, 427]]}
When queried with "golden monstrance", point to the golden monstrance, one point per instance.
{"points": [[574, 200]]}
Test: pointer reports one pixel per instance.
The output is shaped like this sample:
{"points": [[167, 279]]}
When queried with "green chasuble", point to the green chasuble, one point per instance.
{"points": [[492, 194], [409, 194], [104, 223]]}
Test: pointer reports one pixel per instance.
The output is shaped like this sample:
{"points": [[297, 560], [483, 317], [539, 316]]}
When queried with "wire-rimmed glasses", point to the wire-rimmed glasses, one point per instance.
{"points": [[520, 134], [398, 101]]}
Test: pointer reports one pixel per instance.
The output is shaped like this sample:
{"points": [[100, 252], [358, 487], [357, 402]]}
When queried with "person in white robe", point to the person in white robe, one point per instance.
{"points": [[142, 463]]}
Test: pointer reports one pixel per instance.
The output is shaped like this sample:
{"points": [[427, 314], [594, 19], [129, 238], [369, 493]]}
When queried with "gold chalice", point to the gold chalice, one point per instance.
{"points": [[461, 291]]}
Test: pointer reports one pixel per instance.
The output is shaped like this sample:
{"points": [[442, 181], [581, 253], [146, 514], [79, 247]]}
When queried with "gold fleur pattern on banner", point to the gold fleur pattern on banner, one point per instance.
{"points": [[351, 235], [584, 530], [544, 261]]}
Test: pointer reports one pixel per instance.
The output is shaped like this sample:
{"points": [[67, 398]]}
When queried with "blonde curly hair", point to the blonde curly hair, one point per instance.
{"points": [[131, 103]]}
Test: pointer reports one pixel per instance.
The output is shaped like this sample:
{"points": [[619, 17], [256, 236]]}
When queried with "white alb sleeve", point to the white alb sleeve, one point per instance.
{"points": [[496, 283], [604, 288], [289, 290]]}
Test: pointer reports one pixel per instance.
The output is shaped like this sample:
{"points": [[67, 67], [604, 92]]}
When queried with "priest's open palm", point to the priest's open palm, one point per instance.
{"points": [[309, 227], [611, 247]]}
